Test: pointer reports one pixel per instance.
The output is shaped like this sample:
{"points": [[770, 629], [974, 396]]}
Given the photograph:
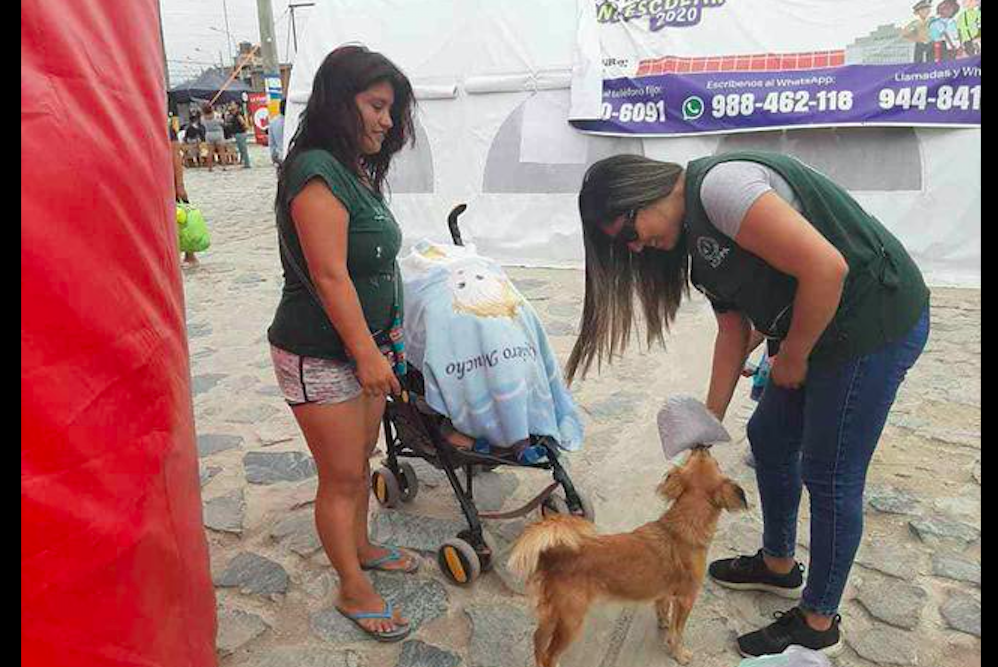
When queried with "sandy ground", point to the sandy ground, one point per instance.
{"points": [[927, 466]]}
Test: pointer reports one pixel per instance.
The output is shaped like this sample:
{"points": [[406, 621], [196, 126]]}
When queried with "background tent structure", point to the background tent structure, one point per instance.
{"points": [[114, 558], [492, 81], [206, 85]]}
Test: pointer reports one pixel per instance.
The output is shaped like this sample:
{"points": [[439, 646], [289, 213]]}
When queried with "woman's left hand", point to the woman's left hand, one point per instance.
{"points": [[788, 370]]}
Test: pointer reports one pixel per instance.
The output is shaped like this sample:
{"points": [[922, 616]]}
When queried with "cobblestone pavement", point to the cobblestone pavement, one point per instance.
{"points": [[914, 595]]}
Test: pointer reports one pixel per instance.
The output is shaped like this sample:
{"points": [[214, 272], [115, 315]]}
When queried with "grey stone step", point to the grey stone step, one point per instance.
{"points": [[273, 467], [962, 612], [417, 654], [226, 513], [254, 575], [893, 602], [236, 628]]}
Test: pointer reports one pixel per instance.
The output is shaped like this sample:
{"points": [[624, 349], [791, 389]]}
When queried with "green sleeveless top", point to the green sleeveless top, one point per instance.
{"points": [[374, 239]]}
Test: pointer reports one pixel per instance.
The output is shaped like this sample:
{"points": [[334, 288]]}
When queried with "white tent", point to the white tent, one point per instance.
{"points": [[492, 81]]}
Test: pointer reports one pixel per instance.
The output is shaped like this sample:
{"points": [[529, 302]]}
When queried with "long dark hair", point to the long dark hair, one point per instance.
{"points": [[614, 275], [332, 122]]}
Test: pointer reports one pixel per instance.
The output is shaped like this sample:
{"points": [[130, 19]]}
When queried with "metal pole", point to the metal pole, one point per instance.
{"points": [[268, 53], [228, 36], [268, 47], [294, 27]]}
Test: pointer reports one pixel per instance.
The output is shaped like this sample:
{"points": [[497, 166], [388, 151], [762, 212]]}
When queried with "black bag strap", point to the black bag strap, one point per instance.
{"points": [[303, 276], [299, 271]]}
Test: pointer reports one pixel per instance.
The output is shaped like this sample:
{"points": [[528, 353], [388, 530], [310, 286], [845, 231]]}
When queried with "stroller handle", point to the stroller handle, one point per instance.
{"points": [[455, 231]]}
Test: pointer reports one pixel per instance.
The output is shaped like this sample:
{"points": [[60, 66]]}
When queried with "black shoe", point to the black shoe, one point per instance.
{"points": [[791, 628], [750, 573]]}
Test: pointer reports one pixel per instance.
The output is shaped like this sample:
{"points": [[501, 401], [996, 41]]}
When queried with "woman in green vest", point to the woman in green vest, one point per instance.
{"points": [[968, 24], [334, 338], [774, 245]]}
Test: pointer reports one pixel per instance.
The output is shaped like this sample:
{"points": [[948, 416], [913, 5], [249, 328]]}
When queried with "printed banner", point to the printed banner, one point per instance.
{"points": [[272, 83], [674, 67], [260, 114]]}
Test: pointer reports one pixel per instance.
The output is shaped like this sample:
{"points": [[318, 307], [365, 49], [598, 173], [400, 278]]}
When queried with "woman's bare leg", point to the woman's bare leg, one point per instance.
{"points": [[338, 438]]}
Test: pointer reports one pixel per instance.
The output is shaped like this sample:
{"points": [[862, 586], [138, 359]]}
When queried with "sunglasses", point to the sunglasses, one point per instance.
{"points": [[628, 232]]}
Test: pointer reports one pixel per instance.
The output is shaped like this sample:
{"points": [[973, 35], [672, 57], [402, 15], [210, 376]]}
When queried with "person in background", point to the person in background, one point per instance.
{"points": [[176, 151], [174, 124], [228, 129], [194, 138], [918, 31], [194, 130], [214, 135], [236, 121], [968, 24], [275, 137], [181, 198], [943, 31]]}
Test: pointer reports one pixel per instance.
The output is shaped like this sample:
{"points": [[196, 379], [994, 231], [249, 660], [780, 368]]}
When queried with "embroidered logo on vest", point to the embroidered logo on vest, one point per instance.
{"points": [[711, 251]]}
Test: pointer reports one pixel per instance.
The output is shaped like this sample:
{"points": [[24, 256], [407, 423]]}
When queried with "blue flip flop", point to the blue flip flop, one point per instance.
{"points": [[394, 555], [400, 632]]}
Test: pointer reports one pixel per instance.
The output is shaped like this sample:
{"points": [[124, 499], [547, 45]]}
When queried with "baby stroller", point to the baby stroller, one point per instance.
{"points": [[413, 430]]}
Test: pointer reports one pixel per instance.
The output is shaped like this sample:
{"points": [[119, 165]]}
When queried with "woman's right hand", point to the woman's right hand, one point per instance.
{"points": [[376, 376]]}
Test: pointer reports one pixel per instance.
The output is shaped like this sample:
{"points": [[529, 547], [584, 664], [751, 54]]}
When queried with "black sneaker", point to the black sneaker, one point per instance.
{"points": [[791, 628], [750, 573]]}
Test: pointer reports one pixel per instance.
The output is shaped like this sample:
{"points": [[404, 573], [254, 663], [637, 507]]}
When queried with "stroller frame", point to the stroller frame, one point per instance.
{"points": [[412, 430]]}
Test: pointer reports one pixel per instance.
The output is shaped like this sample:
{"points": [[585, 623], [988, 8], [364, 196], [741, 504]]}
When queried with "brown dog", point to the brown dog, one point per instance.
{"points": [[569, 566]]}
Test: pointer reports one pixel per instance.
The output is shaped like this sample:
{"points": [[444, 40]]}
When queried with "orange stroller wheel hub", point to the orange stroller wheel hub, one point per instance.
{"points": [[454, 563]]}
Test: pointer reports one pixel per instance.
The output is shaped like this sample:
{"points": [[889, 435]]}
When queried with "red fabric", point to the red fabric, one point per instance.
{"points": [[114, 560]]}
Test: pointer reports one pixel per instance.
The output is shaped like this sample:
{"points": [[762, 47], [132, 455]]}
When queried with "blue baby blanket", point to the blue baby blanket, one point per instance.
{"points": [[483, 353]]}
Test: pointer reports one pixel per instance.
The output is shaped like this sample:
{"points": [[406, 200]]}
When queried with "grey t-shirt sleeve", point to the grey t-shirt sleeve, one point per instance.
{"points": [[729, 190]]}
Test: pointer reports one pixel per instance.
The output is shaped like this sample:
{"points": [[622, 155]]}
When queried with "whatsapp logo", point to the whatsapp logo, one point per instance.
{"points": [[692, 108]]}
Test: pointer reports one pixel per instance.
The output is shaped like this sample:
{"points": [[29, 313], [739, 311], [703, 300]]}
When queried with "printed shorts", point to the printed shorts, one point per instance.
{"points": [[312, 380]]}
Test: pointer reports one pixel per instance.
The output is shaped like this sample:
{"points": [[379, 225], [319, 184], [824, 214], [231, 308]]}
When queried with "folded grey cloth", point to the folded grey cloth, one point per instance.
{"points": [[684, 422]]}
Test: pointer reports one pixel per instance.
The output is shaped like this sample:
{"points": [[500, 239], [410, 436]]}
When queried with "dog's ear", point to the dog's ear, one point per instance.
{"points": [[672, 486], [730, 496]]}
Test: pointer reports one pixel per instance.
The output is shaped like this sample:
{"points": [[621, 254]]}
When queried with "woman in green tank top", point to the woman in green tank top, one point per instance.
{"points": [[846, 313], [338, 243]]}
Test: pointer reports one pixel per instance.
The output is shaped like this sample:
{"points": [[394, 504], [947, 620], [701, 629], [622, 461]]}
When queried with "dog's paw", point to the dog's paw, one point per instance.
{"points": [[684, 656]]}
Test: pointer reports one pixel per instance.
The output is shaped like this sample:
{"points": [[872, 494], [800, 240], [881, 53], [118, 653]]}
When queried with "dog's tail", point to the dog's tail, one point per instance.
{"points": [[557, 532]]}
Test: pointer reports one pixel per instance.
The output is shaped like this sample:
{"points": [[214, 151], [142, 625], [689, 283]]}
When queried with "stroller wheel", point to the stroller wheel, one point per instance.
{"points": [[459, 561], [409, 482], [386, 487], [486, 548]]}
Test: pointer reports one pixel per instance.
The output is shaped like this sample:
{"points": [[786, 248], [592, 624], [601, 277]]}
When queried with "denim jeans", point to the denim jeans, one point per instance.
{"points": [[243, 150], [823, 436]]}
